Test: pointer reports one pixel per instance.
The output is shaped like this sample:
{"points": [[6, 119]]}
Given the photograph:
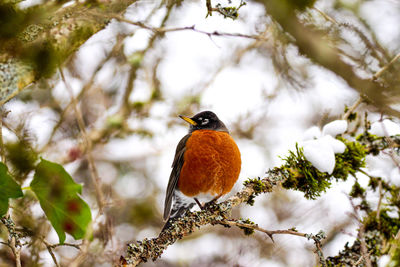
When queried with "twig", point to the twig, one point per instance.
{"points": [[353, 107], [378, 210], [81, 257], [66, 244], [162, 30], [317, 238], [88, 143], [379, 73], [374, 77], [358, 261], [326, 16], [50, 250], [270, 233]]}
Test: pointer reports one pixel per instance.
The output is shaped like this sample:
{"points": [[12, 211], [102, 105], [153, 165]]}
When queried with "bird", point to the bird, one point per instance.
{"points": [[206, 166]]}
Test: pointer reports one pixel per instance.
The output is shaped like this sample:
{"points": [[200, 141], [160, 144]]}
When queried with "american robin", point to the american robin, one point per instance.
{"points": [[206, 166]]}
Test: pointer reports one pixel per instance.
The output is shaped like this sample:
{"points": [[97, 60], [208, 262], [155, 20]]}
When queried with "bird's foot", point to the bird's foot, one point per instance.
{"points": [[207, 204]]}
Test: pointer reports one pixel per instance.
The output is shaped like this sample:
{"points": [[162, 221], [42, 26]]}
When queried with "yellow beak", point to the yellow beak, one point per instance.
{"points": [[189, 120]]}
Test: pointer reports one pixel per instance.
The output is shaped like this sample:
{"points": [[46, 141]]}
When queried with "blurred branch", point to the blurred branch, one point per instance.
{"points": [[379, 73], [362, 99], [373, 46], [85, 89], [62, 30], [50, 250], [88, 145], [317, 48], [162, 30]]}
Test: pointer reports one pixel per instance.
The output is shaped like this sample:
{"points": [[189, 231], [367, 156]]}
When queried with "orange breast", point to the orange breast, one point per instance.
{"points": [[211, 164]]}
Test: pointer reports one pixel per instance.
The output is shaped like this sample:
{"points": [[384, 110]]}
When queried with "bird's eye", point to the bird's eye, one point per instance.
{"points": [[204, 122]]}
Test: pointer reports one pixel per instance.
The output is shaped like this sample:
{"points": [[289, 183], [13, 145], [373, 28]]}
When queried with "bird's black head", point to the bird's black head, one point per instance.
{"points": [[205, 120]]}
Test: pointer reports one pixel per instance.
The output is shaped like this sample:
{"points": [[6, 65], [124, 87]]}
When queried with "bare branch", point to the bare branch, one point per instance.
{"points": [[50, 250], [161, 30], [379, 73]]}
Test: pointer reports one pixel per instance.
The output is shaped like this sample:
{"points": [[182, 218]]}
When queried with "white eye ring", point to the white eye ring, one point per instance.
{"points": [[205, 121]]}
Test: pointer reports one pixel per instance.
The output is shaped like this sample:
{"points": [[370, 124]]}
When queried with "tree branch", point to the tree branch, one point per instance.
{"points": [[213, 214], [63, 30], [88, 146], [141, 251], [314, 45], [317, 238], [161, 30]]}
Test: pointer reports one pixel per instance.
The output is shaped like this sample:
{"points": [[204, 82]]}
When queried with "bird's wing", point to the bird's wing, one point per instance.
{"points": [[174, 177]]}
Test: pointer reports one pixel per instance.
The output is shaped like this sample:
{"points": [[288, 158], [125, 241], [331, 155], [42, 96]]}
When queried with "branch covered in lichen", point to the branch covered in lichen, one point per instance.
{"points": [[298, 174], [141, 251]]}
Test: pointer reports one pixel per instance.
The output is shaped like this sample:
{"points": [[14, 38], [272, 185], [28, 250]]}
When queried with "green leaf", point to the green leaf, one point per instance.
{"points": [[59, 199], [8, 188]]}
